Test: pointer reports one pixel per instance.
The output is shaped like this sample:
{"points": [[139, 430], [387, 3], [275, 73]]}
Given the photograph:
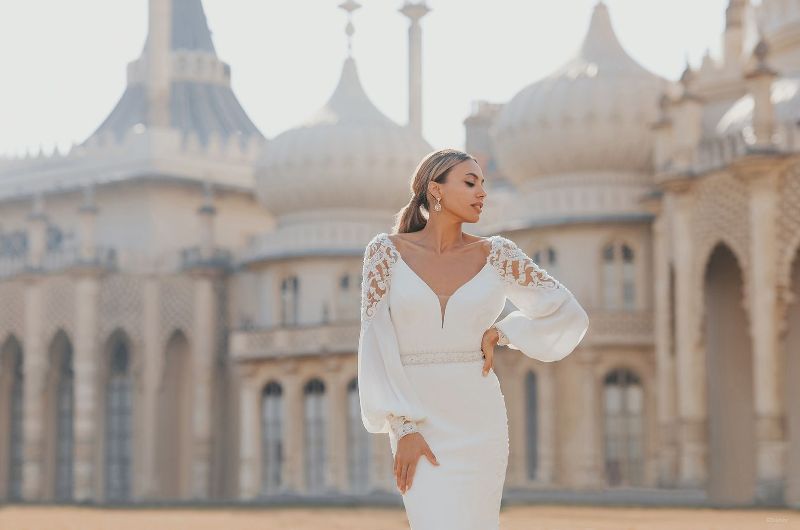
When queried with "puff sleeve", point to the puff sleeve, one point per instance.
{"points": [[388, 400], [549, 322]]}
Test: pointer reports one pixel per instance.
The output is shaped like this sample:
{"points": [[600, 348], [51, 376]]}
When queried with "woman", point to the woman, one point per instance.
{"points": [[430, 297]]}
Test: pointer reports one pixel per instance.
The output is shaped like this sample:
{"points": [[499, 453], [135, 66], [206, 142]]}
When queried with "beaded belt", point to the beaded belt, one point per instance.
{"points": [[441, 357]]}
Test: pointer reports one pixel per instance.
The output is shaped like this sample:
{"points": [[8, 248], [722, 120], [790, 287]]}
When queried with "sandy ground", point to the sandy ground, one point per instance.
{"points": [[511, 518]]}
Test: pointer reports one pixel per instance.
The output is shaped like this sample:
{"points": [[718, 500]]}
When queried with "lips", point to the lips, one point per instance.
{"points": [[478, 206]]}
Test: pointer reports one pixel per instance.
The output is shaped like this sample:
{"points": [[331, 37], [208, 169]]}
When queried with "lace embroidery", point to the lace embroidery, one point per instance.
{"points": [[440, 357], [515, 267], [401, 425], [379, 258]]}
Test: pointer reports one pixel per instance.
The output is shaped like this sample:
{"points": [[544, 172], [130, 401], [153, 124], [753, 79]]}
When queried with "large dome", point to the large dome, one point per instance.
{"points": [[348, 155], [593, 113]]}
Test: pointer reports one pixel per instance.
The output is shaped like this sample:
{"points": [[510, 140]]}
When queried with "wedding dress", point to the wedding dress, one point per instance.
{"points": [[418, 365]]}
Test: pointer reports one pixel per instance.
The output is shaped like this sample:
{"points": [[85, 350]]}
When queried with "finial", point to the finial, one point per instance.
{"points": [[350, 6]]}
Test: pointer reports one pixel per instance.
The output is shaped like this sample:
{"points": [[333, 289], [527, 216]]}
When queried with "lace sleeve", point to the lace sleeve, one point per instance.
{"points": [[379, 257], [549, 322]]}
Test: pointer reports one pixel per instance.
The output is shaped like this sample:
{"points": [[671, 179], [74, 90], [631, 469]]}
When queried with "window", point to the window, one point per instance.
{"points": [[64, 407], [358, 446], [624, 428], [119, 423], [12, 357], [290, 290], [315, 435], [272, 454], [619, 277], [546, 258]]}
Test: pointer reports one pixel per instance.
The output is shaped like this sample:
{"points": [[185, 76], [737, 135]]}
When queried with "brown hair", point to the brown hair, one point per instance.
{"points": [[434, 167]]}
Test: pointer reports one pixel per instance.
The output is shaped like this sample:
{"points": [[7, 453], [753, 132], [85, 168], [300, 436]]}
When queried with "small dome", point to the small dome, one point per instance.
{"points": [[785, 96], [347, 155], [593, 113]]}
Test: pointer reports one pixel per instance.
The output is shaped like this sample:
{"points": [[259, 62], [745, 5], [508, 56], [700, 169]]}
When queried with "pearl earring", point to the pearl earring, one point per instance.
{"points": [[438, 205]]}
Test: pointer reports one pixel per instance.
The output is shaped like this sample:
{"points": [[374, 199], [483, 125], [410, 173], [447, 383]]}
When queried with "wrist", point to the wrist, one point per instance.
{"points": [[502, 339], [401, 426]]}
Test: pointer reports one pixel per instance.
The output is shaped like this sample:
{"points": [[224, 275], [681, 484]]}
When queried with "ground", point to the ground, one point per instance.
{"points": [[511, 518]]}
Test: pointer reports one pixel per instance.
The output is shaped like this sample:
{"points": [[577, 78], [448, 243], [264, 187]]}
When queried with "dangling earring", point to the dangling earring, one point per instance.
{"points": [[438, 205]]}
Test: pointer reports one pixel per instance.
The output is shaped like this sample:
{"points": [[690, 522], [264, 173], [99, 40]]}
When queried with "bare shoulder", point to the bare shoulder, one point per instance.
{"points": [[484, 242]]}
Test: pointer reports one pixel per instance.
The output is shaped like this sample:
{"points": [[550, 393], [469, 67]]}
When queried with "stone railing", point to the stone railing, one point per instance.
{"points": [[633, 328], [273, 343], [193, 258], [62, 259]]}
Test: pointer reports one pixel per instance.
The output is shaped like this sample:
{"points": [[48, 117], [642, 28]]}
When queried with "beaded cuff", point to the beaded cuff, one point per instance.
{"points": [[503, 340], [401, 426]]}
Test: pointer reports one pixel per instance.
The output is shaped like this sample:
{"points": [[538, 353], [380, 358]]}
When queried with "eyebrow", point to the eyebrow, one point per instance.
{"points": [[476, 176]]}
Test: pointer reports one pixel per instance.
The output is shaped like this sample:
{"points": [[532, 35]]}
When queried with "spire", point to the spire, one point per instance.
{"points": [[187, 25], [415, 12], [350, 6], [601, 51]]}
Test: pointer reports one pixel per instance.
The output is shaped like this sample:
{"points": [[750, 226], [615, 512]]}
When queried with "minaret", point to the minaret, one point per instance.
{"points": [[415, 12], [158, 62], [733, 40]]}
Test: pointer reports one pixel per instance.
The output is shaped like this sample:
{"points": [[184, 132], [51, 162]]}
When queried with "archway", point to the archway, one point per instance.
{"points": [[59, 411], [623, 408], [729, 365], [11, 417], [174, 435], [359, 453], [118, 440], [315, 414], [272, 427]]}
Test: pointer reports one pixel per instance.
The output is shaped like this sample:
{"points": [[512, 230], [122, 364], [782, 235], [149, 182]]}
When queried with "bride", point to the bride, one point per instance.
{"points": [[430, 298]]}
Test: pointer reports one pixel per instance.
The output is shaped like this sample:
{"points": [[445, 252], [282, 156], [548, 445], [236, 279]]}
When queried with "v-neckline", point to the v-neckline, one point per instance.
{"points": [[443, 310]]}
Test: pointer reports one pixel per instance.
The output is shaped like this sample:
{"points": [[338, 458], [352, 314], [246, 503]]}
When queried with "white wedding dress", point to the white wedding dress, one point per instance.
{"points": [[416, 366]]}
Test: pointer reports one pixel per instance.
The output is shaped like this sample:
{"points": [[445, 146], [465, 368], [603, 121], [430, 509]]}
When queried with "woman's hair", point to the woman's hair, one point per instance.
{"points": [[434, 167]]}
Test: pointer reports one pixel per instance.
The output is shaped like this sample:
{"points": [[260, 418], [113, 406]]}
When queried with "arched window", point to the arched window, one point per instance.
{"points": [[11, 358], [271, 438], [119, 422], [619, 277], [348, 297], [532, 423], [624, 428], [358, 446], [315, 435], [61, 414], [290, 293]]}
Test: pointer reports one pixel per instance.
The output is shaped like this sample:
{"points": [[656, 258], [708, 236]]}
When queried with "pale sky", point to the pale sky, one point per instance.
{"points": [[63, 61]]}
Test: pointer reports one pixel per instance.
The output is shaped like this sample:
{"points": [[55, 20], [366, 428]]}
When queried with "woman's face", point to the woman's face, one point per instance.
{"points": [[463, 194]]}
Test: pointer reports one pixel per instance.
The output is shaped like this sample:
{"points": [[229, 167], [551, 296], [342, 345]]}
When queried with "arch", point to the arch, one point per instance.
{"points": [[59, 436], [272, 432], [12, 443], [729, 368], [532, 424], [359, 453], [624, 427], [174, 447], [118, 408], [791, 348], [315, 415]]}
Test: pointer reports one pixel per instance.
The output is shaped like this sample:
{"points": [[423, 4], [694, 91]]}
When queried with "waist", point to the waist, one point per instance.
{"points": [[429, 357]]}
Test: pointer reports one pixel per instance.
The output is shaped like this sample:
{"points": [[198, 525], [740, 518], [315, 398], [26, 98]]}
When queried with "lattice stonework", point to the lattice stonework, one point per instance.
{"points": [[12, 303], [176, 302], [121, 305], [788, 225], [58, 293], [721, 214]]}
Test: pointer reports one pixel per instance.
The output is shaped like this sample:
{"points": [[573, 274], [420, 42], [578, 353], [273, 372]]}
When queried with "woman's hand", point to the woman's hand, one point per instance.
{"points": [[488, 342], [409, 448]]}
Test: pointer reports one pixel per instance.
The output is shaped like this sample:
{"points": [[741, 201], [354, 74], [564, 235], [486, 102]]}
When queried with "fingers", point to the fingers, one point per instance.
{"points": [[487, 363], [431, 457], [404, 479]]}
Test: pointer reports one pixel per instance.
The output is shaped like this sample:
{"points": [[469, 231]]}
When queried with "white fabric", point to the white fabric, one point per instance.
{"points": [[460, 413]]}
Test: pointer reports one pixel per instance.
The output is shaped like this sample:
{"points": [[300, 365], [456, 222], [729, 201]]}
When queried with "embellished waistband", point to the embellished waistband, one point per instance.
{"points": [[441, 357]]}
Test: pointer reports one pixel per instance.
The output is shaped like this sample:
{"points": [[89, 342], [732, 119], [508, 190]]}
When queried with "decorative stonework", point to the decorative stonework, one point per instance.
{"points": [[788, 224], [121, 305], [11, 315], [176, 301], [59, 306]]}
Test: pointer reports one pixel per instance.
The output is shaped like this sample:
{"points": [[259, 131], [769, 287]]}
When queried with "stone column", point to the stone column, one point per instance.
{"points": [[87, 392], [336, 446], [665, 365], [146, 475], [512, 375], [34, 370], [250, 425], [548, 410], [590, 475], [203, 362], [294, 443], [767, 366], [691, 368]]}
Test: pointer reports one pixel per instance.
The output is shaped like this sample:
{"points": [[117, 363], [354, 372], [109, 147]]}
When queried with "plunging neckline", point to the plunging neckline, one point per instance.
{"points": [[443, 309]]}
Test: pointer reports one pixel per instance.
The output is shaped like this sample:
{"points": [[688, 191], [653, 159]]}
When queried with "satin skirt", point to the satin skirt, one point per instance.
{"points": [[467, 430]]}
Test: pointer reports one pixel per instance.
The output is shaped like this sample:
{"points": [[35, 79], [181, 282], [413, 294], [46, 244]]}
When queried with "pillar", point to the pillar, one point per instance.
{"points": [[250, 425], [204, 349], [34, 370]]}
